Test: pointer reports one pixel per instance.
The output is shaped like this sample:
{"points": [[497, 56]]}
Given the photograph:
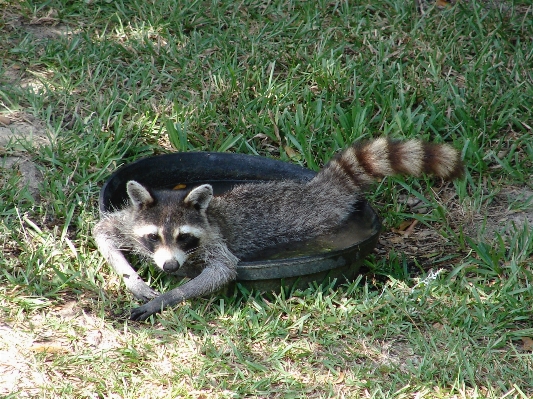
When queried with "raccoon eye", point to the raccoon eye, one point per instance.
{"points": [[184, 237], [187, 241], [153, 237]]}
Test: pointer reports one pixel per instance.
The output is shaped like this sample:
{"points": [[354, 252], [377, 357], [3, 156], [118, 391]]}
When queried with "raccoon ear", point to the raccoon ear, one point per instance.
{"points": [[200, 197], [139, 195]]}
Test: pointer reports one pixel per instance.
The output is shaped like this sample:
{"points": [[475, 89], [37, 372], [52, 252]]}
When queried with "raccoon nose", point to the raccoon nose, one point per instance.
{"points": [[171, 266]]}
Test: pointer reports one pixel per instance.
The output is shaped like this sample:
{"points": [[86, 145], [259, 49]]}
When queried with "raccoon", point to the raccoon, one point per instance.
{"points": [[206, 235]]}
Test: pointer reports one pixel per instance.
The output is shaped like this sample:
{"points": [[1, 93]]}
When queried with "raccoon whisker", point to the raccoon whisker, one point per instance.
{"points": [[190, 251]]}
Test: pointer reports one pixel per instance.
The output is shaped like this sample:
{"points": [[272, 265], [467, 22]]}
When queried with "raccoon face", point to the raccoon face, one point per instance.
{"points": [[169, 249], [169, 225]]}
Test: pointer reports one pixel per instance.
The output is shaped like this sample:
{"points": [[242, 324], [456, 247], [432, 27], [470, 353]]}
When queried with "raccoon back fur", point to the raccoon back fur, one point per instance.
{"points": [[206, 235]]}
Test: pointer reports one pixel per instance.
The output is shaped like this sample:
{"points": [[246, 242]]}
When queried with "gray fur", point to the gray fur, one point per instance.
{"points": [[215, 232], [139, 195]]}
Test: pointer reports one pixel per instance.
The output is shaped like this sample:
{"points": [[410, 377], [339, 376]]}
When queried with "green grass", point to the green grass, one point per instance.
{"points": [[445, 316]]}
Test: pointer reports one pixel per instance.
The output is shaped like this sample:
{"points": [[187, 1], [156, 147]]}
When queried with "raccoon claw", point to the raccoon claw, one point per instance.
{"points": [[145, 311]]}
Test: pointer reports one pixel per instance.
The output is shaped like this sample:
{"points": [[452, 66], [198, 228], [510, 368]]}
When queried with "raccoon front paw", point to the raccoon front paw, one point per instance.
{"points": [[145, 311], [143, 292]]}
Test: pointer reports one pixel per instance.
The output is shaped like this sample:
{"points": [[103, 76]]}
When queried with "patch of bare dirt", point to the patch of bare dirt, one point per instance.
{"points": [[509, 210], [25, 346], [22, 127], [18, 131], [41, 32], [45, 26], [18, 371], [39, 29], [31, 176]]}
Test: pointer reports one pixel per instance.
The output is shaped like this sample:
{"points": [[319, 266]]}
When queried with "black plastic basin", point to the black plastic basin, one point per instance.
{"points": [[338, 255]]}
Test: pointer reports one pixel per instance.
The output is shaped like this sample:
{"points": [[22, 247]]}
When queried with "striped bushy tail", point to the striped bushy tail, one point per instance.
{"points": [[366, 162]]}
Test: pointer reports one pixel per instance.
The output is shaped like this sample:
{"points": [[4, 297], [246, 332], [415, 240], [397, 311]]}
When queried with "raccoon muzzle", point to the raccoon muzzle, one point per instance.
{"points": [[171, 266]]}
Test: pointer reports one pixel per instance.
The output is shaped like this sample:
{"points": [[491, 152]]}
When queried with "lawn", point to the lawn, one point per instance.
{"points": [[443, 307]]}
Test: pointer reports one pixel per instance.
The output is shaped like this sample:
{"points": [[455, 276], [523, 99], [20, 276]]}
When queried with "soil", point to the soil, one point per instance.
{"points": [[509, 210], [19, 133]]}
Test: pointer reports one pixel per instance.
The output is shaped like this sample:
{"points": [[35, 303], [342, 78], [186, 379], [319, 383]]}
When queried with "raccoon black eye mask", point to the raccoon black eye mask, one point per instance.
{"points": [[207, 235]]}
